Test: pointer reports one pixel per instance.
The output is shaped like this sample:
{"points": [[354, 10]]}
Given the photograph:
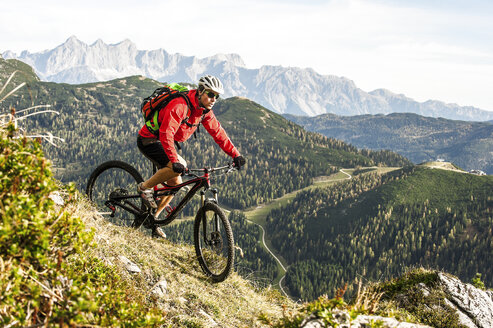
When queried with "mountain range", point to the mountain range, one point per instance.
{"points": [[420, 139], [285, 90]]}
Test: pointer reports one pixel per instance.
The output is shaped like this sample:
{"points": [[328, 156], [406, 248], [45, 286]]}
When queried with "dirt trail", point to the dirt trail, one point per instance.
{"points": [[260, 220]]}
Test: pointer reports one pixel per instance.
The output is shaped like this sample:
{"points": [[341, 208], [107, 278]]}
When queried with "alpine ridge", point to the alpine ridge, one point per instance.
{"points": [[285, 90]]}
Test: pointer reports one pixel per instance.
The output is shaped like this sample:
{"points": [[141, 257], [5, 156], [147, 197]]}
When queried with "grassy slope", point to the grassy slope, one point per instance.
{"points": [[439, 189], [24, 72], [190, 296]]}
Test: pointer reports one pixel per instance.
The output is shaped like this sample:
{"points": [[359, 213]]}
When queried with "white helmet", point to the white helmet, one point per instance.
{"points": [[212, 83]]}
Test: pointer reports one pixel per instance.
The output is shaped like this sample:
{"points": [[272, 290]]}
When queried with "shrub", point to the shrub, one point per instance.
{"points": [[46, 278], [477, 282]]}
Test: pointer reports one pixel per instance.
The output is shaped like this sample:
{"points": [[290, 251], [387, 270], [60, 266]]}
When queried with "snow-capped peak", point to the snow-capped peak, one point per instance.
{"points": [[293, 90]]}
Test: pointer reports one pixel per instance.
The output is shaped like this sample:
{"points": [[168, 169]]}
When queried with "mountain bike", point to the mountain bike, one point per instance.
{"points": [[112, 187]]}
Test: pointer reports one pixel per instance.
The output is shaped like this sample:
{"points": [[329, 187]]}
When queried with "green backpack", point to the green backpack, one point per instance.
{"points": [[152, 105]]}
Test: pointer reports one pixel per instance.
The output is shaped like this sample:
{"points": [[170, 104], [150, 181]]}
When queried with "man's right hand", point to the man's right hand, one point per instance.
{"points": [[178, 167]]}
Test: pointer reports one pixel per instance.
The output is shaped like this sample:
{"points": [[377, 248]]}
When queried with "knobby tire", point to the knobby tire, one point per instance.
{"points": [[215, 260], [114, 176]]}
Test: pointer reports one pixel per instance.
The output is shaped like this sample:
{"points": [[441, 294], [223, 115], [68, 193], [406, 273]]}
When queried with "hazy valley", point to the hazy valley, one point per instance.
{"points": [[418, 138]]}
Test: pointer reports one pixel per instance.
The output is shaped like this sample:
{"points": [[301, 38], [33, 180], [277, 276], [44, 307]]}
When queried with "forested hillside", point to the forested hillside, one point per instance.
{"points": [[371, 227], [374, 226], [100, 122], [419, 138]]}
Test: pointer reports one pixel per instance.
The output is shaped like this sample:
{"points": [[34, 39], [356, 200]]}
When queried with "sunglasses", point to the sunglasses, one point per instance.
{"points": [[211, 94]]}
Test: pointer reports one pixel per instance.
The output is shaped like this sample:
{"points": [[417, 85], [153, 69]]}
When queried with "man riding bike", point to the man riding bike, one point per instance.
{"points": [[175, 127]]}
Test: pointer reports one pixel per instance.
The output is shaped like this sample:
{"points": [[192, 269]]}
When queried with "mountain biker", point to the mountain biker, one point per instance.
{"points": [[161, 151]]}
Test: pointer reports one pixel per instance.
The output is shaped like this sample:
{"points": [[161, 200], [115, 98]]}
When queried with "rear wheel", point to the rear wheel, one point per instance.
{"points": [[110, 181], [214, 244]]}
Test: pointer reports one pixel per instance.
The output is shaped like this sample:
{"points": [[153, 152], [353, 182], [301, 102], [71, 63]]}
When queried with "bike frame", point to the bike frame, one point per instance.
{"points": [[197, 182]]}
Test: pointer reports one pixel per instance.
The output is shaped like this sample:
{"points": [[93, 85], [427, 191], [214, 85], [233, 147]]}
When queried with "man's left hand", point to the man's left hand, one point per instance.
{"points": [[239, 161]]}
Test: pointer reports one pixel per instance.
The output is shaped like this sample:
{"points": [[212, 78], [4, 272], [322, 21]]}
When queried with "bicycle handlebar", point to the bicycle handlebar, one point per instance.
{"points": [[230, 166]]}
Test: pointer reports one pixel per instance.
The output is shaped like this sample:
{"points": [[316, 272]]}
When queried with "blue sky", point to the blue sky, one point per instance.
{"points": [[439, 50]]}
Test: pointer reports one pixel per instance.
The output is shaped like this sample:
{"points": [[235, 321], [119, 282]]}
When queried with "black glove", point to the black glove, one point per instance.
{"points": [[178, 168], [239, 161]]}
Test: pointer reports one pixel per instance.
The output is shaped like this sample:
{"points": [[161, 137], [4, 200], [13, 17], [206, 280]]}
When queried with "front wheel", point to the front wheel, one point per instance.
{"points": [[214, 242]]}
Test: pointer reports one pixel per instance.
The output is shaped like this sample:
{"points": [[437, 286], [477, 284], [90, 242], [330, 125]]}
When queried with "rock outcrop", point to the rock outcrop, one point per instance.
{"points": [[436, 298], [342, 319], [473, 305]]}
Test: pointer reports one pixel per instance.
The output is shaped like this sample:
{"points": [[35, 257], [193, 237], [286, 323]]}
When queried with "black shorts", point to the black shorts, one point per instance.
{"points": [[153, 150]]}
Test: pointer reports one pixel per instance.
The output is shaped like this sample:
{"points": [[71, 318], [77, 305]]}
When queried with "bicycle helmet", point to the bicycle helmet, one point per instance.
{"points": [[212, 83]]}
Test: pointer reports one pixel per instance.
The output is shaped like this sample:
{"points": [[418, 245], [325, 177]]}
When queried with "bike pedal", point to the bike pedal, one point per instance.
{"points": [[112, 208]]}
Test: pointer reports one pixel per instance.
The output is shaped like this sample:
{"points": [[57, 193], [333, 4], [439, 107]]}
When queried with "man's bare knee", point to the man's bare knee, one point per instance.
{"points": [[174, 181]]}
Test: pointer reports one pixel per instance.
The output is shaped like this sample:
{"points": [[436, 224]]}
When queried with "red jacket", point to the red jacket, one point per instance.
{"points": [[171, 129]]}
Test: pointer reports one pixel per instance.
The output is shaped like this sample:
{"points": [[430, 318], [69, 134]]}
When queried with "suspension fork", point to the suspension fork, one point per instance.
{"points": [[214, 192], [216, 228], [217, 225]]}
